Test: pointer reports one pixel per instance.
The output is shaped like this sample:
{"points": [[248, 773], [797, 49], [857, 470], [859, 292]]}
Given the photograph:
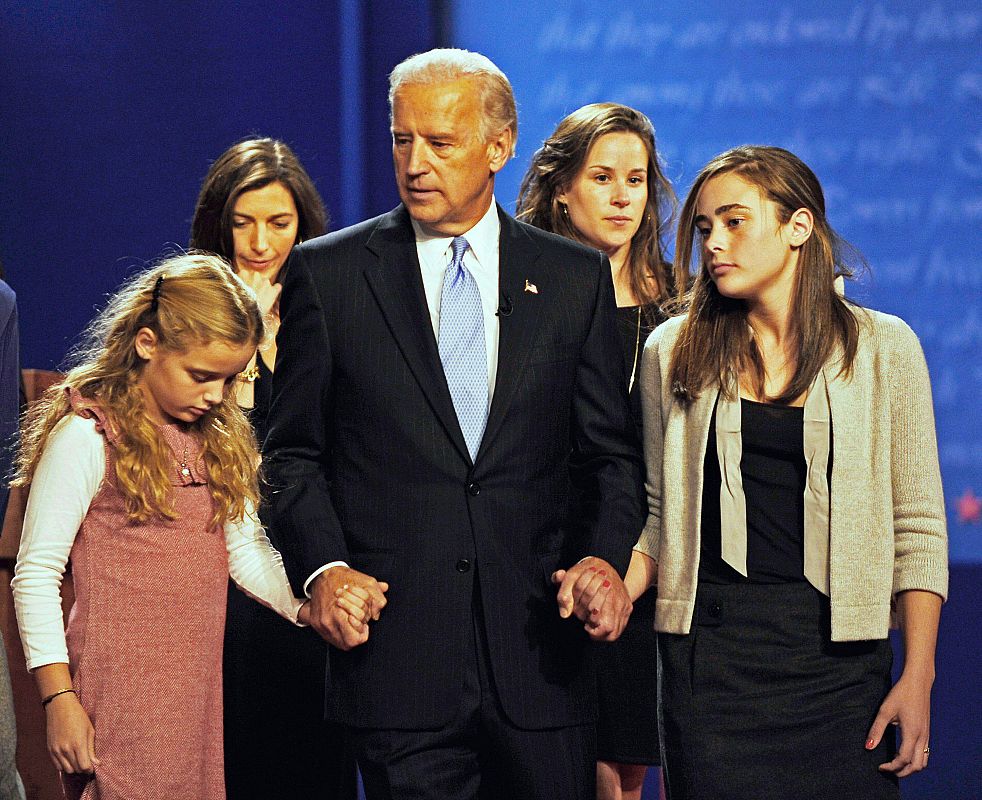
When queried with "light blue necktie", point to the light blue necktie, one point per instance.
{"points": [[463, 350]]}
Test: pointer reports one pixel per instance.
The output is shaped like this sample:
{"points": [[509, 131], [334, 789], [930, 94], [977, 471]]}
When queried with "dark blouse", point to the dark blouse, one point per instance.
{"points": [[774, 473], [262, 389], [634, 325]]}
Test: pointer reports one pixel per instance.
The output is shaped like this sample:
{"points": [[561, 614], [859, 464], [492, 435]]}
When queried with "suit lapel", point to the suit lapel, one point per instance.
{"points": [[396, 282], [518, 269]]}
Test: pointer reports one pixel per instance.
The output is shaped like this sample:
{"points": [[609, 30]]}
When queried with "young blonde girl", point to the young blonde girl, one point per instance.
{"points": [[143, 474]]}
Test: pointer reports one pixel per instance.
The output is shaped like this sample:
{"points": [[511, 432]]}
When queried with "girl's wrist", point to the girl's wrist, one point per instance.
{"points": [[58, 697], [922, 673]]}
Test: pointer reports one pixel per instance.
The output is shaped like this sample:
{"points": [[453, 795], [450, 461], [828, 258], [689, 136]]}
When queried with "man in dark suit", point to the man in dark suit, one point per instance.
{"points": [[449, 435]]}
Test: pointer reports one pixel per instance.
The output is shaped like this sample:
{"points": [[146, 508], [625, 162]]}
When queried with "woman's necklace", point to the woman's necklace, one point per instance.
{"points": [[637, 345]]}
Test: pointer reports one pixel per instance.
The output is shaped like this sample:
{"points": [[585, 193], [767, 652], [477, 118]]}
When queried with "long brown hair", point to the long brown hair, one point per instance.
{"points": [[715, 345], [248, 165], [199, 301], [560, 159]]}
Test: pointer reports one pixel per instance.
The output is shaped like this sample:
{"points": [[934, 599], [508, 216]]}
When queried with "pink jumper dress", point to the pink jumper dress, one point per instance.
{"points": [[145, 636]]}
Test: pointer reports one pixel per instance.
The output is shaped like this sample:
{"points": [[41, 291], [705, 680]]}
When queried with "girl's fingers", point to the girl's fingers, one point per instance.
{"points": [[356, 591], [92, 756], [597, 603], [354, 610], [61, 763]]}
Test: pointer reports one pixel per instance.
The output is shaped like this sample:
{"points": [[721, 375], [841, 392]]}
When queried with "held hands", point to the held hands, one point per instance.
{"points": [[594, 592], [71, 737], [343, 601], [908, 705]]}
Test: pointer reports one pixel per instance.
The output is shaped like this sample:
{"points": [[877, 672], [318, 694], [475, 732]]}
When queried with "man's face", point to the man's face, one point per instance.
{"points": [[445, 172]]}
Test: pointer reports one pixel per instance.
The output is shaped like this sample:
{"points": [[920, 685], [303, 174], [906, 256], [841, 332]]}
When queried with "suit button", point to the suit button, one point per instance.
{"points": [[473, 489], [463, 565], [715, 610]]}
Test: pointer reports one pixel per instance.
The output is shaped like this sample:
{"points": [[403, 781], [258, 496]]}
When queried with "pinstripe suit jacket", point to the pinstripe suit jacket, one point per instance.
{"points": [[367, 464]]}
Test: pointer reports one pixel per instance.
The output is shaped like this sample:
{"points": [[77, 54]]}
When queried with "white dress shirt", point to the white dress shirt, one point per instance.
{"points": [[481, 260], [68, 477]]}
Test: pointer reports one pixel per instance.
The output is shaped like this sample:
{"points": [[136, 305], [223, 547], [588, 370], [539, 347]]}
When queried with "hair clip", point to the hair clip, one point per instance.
{"points": [[155, 295]]}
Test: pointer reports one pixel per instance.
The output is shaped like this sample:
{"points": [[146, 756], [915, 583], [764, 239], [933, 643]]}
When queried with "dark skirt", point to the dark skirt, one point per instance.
{"points": [[276, 741], [627, 692], [759, 703]]}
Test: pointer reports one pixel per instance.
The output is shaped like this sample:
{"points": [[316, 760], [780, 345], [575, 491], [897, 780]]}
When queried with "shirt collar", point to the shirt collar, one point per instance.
{"points": [[482, 238]]}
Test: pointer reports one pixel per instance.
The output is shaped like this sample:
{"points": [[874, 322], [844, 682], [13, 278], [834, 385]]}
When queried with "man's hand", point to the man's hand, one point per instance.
{"points": [[594, 592], [333, 613]]}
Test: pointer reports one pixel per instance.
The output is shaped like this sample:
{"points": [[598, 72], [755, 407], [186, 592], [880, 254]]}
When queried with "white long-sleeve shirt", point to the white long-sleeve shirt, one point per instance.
{"points": [[68, 476]]}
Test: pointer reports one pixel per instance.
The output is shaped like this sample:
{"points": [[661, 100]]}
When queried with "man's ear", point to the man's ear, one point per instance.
{"points": [[500, 149], [145, 343]]}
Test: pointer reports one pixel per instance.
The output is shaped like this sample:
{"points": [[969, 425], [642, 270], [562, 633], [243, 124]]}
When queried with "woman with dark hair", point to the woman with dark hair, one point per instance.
{"points": [[597, 179], [795, 505], [256, 203]]}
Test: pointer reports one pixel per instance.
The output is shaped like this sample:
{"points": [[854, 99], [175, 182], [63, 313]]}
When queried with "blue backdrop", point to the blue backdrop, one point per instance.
{"points": [[110, 115], [881, 100]]}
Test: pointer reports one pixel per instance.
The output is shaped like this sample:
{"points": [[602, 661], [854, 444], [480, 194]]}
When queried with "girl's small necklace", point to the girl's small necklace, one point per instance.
{"points": [[185, 470]]}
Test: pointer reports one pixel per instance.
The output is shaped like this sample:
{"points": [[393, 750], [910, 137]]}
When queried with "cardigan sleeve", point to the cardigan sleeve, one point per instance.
{"points": [[919, 524], [649, 542], [68, 476]]}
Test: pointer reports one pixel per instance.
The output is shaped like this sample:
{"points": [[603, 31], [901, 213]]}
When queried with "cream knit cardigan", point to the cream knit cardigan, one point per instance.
{"points": [[887, 517]]}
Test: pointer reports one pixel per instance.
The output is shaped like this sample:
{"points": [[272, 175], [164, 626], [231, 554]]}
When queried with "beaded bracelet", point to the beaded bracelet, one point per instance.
{"points": [[53, 695]]}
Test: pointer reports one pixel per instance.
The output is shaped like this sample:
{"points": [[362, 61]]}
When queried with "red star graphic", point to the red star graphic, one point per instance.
{"points": [[969, 508]]}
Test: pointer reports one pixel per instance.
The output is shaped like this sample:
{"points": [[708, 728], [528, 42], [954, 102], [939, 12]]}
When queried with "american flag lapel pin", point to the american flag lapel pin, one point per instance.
{"points": [[530, 287]]}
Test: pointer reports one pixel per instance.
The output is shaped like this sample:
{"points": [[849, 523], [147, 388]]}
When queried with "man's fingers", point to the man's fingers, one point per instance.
{"points": [[564, 595]]}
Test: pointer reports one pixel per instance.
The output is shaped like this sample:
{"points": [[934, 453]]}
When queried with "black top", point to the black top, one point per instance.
{"points": [[628, 320], [774, 474], [262, 393]]}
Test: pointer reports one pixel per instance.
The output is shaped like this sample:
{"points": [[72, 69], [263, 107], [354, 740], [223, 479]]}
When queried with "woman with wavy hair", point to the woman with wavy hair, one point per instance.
{"points": [[795, 505], [597, 179]]}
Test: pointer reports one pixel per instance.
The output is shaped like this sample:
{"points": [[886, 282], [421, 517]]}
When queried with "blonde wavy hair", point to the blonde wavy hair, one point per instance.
{"points": [[188, 300]]}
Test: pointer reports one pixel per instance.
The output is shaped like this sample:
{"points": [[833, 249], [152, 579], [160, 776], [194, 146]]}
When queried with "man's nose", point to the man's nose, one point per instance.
{"points": [[417, 163]]}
